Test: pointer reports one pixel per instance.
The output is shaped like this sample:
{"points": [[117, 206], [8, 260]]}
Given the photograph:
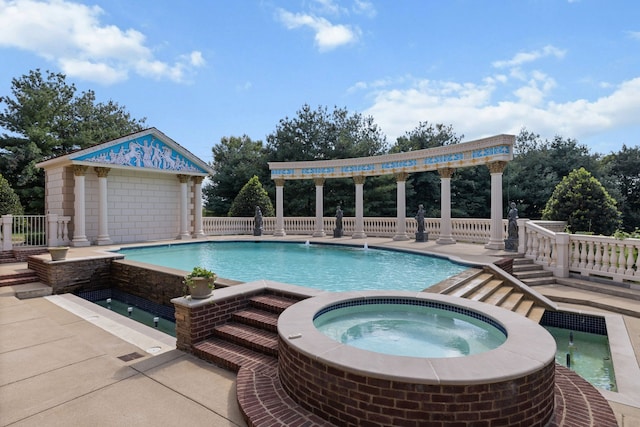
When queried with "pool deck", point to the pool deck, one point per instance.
{"points": [[67, 362]]}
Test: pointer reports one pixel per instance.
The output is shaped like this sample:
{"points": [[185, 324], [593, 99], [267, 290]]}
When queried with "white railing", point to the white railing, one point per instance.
{"points": [[593, 256], [18, 231]]}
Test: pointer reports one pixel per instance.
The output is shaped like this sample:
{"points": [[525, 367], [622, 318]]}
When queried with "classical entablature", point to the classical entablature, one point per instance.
{"points": [[473, 153], [149, 150]]}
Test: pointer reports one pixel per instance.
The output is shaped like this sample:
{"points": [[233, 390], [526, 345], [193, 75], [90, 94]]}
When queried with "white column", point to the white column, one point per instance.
{"points": [[6, 229], [184, 211], [79, 216], [401, 206], [358, 233], [279, 231], [496, 238], [319, 230], [197, 207], [445, 207], [103, 213]]}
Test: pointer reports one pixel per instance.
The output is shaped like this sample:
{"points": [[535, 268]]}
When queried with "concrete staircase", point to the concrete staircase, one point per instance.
{"points": [[25, 283], [486, 286], [530, 273]]}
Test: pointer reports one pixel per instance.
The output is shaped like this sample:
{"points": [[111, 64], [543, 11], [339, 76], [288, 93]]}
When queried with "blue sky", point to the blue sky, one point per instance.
{"points": [[203, 70]]}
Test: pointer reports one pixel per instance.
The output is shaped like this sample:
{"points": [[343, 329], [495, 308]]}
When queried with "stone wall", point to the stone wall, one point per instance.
{"points": [[156, 284], [73, 274]]}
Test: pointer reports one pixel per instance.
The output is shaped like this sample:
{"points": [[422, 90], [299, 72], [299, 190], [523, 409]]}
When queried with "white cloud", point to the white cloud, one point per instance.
{"points": [[365, 8], [327, 35], [524, 57], [72, 36], [634, 34]]}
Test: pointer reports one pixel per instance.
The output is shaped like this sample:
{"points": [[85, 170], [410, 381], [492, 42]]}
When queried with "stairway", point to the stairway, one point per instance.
{"points": [[26, 283], [7, 257], [484, 286], [530, 273], [248, 345]]}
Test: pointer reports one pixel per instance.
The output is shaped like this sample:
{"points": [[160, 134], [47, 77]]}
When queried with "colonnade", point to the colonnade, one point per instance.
{"points": [[496, 239], [79, 191]]}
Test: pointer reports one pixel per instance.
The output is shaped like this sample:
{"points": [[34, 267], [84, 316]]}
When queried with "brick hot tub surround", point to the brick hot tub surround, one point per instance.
{"points": [[510, 385]]}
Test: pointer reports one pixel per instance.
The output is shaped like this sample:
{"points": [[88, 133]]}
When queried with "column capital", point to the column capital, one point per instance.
{"points": [[102, 172], [496, 167], [79, 170], [401, 176], [184, 179], [319, 181], [279, 182], [446, 172], [359, 179], [197, 179]]}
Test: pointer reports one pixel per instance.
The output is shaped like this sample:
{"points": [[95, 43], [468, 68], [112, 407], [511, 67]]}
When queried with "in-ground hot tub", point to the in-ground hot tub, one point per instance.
{"points": [[511, 384]]}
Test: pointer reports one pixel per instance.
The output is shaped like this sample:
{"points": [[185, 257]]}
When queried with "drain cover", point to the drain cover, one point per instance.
{"points": [[131, 356]]}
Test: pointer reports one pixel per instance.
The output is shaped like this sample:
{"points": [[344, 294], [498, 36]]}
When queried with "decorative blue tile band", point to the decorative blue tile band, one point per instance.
{"points": [[160, 310], [575, 321]]}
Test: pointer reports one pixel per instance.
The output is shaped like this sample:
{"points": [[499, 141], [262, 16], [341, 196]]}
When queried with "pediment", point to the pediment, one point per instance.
{"points": [[149, 149]]}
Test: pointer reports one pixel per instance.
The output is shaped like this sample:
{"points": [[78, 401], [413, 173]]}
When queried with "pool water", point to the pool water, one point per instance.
{"points": [[590, 356], [405, 330], [325, 267], [139, 315]]}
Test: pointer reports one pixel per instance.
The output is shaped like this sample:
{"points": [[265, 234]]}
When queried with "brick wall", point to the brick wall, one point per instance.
{"points": [[73, 274], [153, 284], [349, 398]]}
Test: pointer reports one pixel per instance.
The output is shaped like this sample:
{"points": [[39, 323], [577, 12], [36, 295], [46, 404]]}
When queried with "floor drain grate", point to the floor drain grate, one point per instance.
{"points": [[131, 356]]}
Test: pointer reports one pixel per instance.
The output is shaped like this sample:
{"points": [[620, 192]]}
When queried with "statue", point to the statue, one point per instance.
{"points": [[511, 242], [257, 225], [337, 232], [421, 236]]}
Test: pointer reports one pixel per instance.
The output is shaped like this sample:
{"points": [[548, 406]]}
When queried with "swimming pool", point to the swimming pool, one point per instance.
{"points": [[320, 266]]}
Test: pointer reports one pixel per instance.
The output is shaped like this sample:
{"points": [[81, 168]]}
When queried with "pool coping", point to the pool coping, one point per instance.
{"points": [[517, 356]]}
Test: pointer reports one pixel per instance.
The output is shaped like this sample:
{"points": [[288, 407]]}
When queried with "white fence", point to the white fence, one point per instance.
{"points": [[592, 256], [33, 231]]}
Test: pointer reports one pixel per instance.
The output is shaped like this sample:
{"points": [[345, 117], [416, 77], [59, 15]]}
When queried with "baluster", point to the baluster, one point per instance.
{"points": [[575, 257], [540, 254], [631, 261], [605, 257], [590, 256], [622, 259], [583, 254], [597, 262]]}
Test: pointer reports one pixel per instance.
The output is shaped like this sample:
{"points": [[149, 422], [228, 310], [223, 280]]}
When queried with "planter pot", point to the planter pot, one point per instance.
{"points": [[201, 287], [58, 254]]}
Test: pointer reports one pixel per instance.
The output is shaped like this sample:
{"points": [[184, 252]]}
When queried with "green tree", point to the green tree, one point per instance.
{"points": [[424, 187], [9, 200], [320, 135], [235, 161], [44, 117], [582, 201], [250, 196], [624, 172]]}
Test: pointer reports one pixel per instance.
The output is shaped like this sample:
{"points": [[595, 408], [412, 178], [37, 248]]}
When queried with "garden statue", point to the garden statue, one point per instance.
{"points": [[337, 232], [511, 242], [257, 226], [421, 236]]}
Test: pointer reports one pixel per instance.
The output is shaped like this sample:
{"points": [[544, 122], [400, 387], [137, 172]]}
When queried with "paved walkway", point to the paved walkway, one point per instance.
{"points": [[66, 363]]}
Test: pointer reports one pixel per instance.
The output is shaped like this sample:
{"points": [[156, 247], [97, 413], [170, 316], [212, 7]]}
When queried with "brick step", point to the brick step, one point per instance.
{"points": [[257, 317], [18, 278], [251, 337], [273, 303], [233, 356], [264, 402]]}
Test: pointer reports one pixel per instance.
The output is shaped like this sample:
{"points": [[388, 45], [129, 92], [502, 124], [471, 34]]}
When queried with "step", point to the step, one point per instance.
{"points": [[466, 287], [532, 274], [526, 267], [486, 291], [522, 261], [536, 314], [32, 290], [232, 356], [539, 281], [251, 337], [273, 303], [524, 307], [499, 295], [258, 318], [512, 301], [614, 289]]}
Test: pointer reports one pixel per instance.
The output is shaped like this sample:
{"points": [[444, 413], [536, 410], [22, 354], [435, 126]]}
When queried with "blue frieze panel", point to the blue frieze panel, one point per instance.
{"points": [[491, 151], [357, 168], [143, 152], [283, 172], [444, 158], [318, 171], [399, 164]]}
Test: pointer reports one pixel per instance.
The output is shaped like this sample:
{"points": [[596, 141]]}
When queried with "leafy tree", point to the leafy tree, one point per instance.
{"points": [[235, 161], [250, 196], [9, 201], [624, 172], [538, 166], [424, 187], [320, 135], [581, 200], [44, 118]]}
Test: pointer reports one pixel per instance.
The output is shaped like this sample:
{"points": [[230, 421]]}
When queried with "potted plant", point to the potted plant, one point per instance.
{"points": [[200, 282], [58, 253]]}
